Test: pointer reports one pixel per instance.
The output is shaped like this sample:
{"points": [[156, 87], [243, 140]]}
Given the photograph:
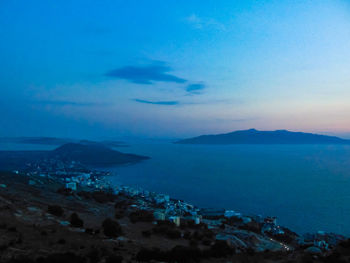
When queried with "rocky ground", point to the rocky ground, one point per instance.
{"points": [[38, 223]]}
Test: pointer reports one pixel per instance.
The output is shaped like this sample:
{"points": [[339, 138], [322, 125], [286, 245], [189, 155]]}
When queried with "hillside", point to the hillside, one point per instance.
{"points": [[253, 136]]}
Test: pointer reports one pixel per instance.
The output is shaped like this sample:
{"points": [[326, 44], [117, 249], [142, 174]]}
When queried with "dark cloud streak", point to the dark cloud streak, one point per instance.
{"points": [[195, 88], [145, 75], [69, 103], [168, 103]]}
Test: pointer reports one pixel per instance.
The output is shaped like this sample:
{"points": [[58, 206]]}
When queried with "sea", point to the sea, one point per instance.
{"points": [[307, 187]]}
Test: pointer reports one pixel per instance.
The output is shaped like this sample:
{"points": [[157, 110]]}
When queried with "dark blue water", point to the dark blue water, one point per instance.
{"points": [[306, 186]]}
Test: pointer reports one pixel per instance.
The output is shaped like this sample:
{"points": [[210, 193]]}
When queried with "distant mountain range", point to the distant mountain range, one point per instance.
{"points": [[253, 136], [92, 154]]}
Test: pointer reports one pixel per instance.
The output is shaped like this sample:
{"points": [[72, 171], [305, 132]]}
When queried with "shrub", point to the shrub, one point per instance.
{"points": [[76, 221], [55, 210], [141, 216], [111, 228]]}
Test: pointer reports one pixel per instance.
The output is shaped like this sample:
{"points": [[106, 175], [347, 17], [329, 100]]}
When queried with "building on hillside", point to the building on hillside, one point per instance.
{"points": [[159, 215], [175, 219], [72, 186]]}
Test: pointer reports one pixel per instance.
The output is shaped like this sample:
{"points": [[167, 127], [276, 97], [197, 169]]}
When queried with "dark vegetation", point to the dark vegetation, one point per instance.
{"points": [[111, 228], [76, 221]]}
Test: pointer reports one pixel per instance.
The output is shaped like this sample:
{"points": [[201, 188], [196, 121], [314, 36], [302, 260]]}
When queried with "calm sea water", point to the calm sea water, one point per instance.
{"points": [[306, 186]]}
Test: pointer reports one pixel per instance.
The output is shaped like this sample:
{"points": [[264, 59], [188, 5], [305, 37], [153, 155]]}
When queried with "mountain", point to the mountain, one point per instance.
{"points": [[94, 154], [91, 154], [253, 136]]}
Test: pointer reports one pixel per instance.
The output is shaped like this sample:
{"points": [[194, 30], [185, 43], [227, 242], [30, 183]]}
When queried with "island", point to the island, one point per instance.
{"points": [[253, 136]]}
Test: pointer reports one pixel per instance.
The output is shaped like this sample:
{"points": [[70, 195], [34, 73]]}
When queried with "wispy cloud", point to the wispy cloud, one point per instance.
{"points": [[195, 88], [168, 103], [145, 74], [184, 103], [205, 23], [69, 103]]}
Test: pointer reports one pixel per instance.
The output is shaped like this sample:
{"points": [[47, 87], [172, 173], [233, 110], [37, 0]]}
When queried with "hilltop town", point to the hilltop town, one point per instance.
{"points": [[72, 211]]}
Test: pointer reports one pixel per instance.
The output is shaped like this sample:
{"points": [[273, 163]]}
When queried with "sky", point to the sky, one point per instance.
{"points": [[172, 69]]}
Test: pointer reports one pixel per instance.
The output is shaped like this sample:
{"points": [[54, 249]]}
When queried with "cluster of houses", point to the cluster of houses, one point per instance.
{"points": [[91, 180], [163, 207], [71, 173]]}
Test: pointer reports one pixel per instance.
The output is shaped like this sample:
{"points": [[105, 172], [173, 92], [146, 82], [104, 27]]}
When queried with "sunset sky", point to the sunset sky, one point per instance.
{"points": [[167, 69]]}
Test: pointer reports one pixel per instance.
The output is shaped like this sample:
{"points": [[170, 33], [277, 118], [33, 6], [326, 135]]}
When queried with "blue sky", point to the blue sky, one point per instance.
{"points": [[173, 68]]}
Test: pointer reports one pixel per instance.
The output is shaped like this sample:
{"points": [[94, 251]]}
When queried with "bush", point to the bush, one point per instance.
{"points": [[141, 216], [111, 228], [76, 221], [55, 210]]}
